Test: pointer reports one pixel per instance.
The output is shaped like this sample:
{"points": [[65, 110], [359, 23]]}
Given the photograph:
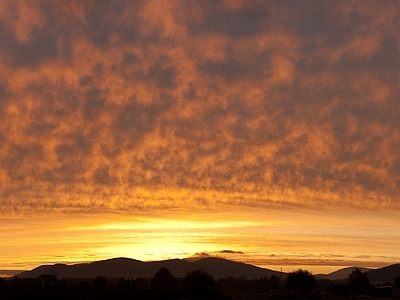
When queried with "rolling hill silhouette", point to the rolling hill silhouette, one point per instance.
{"points": [[339, 274], [217, 267], [385, 274], [376, 276], [131, 268]]}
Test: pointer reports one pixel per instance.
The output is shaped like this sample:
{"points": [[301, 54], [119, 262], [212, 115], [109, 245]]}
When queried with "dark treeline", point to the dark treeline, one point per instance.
{"points": [[197, 284]]}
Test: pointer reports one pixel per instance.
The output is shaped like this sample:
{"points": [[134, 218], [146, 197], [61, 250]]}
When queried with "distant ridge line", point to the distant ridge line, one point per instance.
{"points": [[132, 268], [217, 267]]}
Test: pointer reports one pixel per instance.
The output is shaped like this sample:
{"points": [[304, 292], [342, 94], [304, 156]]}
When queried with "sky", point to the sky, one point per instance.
{"points": [[266, 132]]}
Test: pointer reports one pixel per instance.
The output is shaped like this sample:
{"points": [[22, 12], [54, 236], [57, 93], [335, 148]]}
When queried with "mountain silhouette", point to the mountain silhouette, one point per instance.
{"points": [[340, 274], [221, 268], [384, 275], [131, 268], [217, 267], [376, 276], [9, 273]]}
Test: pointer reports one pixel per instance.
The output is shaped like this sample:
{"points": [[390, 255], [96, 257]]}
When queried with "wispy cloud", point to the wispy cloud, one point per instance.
{"points": [[232, 252]]}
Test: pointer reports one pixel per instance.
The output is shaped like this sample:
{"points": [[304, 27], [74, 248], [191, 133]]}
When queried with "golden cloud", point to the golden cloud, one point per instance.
{"points": [[141, 106]]}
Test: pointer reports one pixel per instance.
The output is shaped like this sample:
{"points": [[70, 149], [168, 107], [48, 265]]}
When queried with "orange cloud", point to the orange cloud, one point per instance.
{"points": [[141, 107]]}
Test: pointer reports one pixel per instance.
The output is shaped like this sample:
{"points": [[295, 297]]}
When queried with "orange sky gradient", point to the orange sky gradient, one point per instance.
{"points": [[260, 131]]}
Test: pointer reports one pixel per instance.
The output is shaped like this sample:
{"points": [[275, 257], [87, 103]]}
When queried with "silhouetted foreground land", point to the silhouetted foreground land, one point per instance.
{"points": [[198, 285], [77, 293], [217, 267]]}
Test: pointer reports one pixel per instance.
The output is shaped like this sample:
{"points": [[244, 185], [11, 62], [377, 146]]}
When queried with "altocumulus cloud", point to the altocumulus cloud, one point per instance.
{"points": [[146, 105]]}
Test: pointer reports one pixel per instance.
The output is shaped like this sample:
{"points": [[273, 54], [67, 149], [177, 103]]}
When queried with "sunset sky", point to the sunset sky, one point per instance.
{"points": [[266, 132]]}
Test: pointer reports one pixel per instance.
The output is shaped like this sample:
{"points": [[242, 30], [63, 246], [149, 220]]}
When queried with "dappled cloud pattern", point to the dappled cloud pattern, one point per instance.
{"points": [[158, 105]]}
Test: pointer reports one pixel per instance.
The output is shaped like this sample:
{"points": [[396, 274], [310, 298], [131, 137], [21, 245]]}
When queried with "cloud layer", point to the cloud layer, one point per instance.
{"points": [[147, 106]]}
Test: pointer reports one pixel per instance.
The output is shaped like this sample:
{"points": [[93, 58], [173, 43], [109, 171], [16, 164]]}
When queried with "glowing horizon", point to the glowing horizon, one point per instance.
{"points": [[261, 242]]}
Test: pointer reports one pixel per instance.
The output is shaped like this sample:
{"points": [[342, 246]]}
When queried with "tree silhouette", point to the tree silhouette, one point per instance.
{"points": [[123, 283], [199, 280], [2, 282], [301, 280], [273, 283], [100, 282], [397, 281], [46, 280], [163, 280], [358, 282]]}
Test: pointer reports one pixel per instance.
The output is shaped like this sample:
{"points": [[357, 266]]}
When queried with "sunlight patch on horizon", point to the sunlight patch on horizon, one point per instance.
{"points": [[269, 239]]}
